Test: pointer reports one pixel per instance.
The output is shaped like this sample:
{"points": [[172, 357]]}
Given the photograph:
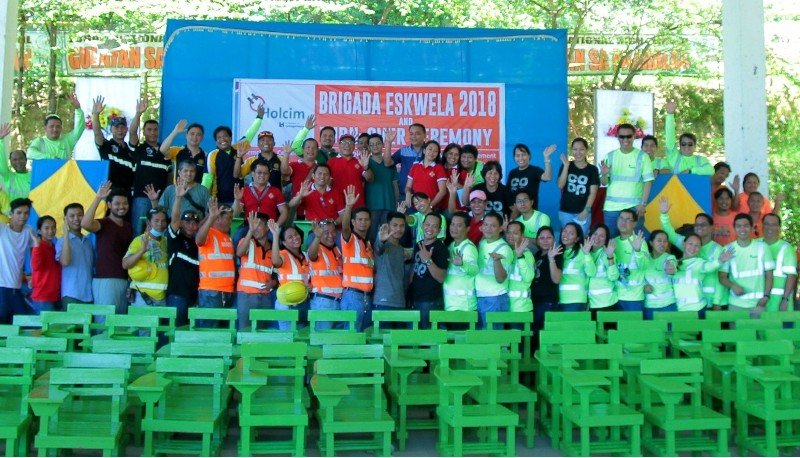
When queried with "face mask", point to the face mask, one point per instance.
{"points": [[156, 233]]}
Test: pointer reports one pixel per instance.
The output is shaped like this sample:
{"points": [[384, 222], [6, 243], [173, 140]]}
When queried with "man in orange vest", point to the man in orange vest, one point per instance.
{"points": [[326, 269], [255, 271], [217, 269], [358, 264]]}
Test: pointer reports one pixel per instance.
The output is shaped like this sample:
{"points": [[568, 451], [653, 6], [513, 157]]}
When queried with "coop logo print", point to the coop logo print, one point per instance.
{"points": [[576, 184], [519, 183]]}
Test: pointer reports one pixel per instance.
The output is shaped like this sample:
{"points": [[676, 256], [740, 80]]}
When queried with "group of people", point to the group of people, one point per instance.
{"points": [[426, 227]]}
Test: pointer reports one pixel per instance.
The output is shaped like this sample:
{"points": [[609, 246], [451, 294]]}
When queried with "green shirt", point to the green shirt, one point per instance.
{"points": [[44, 148], [379, 193], [416, 222], [631, 265], [485, 283], [785, 265], [459, 281], [297, 146], [747, 269], [532, 224], [687, 283], [578, 265], [629, 171], [16, 184], [602, 285], [519, 283], [656, 276]]}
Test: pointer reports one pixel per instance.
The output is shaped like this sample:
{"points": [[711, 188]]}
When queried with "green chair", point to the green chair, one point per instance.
{"points": [[266, 320], [510, 391], [462, 368], [672, 404], [761, 326], [348, 382], [48, 351], [685, 336], [204, 319], [727, 317], [637, 346], [7, 330], [244, 337], [73, 326], [591, 375], [549, 384], [567, 316], [29, 325], [766, 390], [793, 336], [185, 396], [270, 378], [719, 361], [646, 325], [610, 320], [167, 317], [81, 408], [788, 318], [16, 379], [130, 327], [383, 322], [98, 312], [570, 325], [339, 318], [411, 356], [456, 322], [523, 322]]}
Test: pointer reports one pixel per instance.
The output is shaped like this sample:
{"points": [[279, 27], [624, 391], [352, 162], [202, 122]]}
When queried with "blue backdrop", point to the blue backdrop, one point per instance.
{"points": [[202, 58]]}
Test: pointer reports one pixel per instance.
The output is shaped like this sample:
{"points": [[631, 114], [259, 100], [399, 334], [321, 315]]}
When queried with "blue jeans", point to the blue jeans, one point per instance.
{"points": [[11, 303], [181, 305], [425, 308], [139, 209], [212, 299], [539, 309], [302, 308], [564, 218], [648, 313], [491, 304], [572, 307], [357, 301], [43, 306], [631, 306], [249, 301], [610, 218], [323, 303]]}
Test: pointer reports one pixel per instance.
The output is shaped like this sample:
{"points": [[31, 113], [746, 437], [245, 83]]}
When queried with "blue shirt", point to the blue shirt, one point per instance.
{"points": [[406, 157], [76, 278]]}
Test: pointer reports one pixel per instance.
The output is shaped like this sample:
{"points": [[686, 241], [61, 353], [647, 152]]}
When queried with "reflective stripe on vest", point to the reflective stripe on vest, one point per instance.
{"points": [[357, 266], [250, 264], [570, 287], [458, 292], [676, 169], [217, 274], [357, 279], [598, 291], [217, 254], [519, 294], [294, 273], [254, 284], [777, 291], [185, 258], [155, 165], [154, 286], [327, 280], [778, 272], [759, 270], [757, 295], [661, 295], [635, 178]]}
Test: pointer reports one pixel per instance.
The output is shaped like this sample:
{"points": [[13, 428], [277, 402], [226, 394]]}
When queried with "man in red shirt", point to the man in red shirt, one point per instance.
{"points": [[348, 170], [300, 171], [259, 197], [320, 200]]}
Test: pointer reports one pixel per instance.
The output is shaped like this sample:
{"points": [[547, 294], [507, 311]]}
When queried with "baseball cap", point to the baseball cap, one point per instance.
{"points": [[118, 121], [347, 137], [225, 209], [478, 194], [190, 215]]}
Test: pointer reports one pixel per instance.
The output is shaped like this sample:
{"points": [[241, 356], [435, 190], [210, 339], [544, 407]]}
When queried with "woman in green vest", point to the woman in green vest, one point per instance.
{"points": [[578, 266], [602, 285], [657, 275], [522, 270], [687, 283]]}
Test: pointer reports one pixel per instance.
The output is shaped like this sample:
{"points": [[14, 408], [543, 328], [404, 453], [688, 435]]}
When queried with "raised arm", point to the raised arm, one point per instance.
{"points": [[244, 244], [297, 143], [213, 213], [548, 166], [97, 108], [66, 250], [177, 204], [133, 132], [350, 198], [391, 136], [564, 172], [277, 259], [88, 222], [79, 124], [251, 132], [167, 143]]}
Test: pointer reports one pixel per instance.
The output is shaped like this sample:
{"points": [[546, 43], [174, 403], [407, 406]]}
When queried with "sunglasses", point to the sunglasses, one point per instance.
{"points": [[265, 133], [625, 137], [155, 210], [225, 209], [326, 222], [191, 217]]}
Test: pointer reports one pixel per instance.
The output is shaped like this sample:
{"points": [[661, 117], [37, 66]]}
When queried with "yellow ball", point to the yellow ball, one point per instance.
{"points": [[292, 293]]}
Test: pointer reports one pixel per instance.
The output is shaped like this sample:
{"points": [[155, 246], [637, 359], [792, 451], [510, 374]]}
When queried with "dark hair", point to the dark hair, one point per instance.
{"points": [[360, 210], [150, 121], [628, 126], [195, 125], [743, 216], [469, 149], [156, 210], [18, 151], [51, 117], [523, 191], [763, 218], [522, 147], [434, 214], [578, 241], [632, 212], [118, 192], [363, 135], [225, 129], [324, 166], [20, 202], [603, 227], [517, 223], [376, 135], [706, 216], [416, 124], [720, 165], [327, 128], [446, 149], [492, 165], [688, 135], [42, 219], [495, 215], [653, 237], [650, 137], [189, 163], [463, 215], [432, 142], [71, 206], [282, 237], [722, 191], [420, 195], [395, 215], [579, 140], [543, 229], [748, 175], [310, 140]]}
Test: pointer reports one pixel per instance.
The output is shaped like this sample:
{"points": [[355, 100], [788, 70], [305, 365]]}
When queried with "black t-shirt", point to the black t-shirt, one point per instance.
{"points": [[527, 180], [151, 168], [121, 164], [199, 161], [184, 275], [224, 162], [576, 192], [543, 289], [274, 165], [499, 201], [423, 286]]}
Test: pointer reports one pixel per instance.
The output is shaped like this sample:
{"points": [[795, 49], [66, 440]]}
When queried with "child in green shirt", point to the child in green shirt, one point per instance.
{"points": [[657, 275]]}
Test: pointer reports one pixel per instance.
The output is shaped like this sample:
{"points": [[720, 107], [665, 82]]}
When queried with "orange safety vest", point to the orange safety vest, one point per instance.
{"points": [[255, 272], [358, 265], [326, 272], [292, 269], [217, 269]]}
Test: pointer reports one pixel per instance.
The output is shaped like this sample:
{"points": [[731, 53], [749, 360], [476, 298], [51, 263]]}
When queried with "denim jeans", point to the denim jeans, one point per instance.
{"points": [[302, 308], [43, 306], [648, 312], [249, 301], [66, 300], [631, 306], [323, 303], [181, 305], [212, 299], [564, 218], [425, 308], [139, 209], [539, 310], [357, 301], [11, 303], [572, 307], [491, 304]]}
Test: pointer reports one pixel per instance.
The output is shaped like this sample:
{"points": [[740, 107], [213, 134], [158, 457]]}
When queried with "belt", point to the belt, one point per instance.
{"points": [[356, 290], [325, 296]]}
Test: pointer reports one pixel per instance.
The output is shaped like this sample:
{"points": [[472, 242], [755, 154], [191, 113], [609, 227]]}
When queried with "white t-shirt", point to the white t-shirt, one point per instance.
{"points": [[13, 247]]}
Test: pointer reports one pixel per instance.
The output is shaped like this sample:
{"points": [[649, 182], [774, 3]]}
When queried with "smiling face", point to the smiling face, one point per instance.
{"points": [[724, 202], [260, 175], [522, 157], [266, 144], [187, 173], [119, 206], [755, 202], [158, 221], [292, 239], [346, 147], [625, 136], [375, 146], [660, 243], [119, 132], [194, 137], [751, 184], [74, 216], [458, 228], [223, 140], [600, 237], [649, 146], [513, 234], [702, 227], [19, 161], [431, 152], [579, 151], [492, 177], [467, 161], [322, 177], [491, 227], [720, 175], [421, 205], [48, 230], [772, 227], [451, 157], [397, 227], [569, 236], [743, 229], [626, 223], [53, 129], [687, 145], [545, 240], [328, 236], [431, 227], [326, 138], [20, 215], [691, 246]]}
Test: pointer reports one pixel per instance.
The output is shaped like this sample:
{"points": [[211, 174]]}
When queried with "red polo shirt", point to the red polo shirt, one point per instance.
{"points": [[267, 201], [323, 205], [300, 171], [426, 178], [345, 172]]}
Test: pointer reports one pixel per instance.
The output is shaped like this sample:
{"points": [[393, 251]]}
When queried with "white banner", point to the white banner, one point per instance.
{"points": [[120, 97], [613, 108]]}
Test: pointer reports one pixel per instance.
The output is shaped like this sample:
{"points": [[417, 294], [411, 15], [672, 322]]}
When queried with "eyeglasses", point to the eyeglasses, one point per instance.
{"points": [[326, 222], [347, 142], [625, 137], [687, 144], [190, 217]]}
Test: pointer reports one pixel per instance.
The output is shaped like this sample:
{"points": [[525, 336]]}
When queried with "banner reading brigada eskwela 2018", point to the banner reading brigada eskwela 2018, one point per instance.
{"points": [[463, 113]]}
